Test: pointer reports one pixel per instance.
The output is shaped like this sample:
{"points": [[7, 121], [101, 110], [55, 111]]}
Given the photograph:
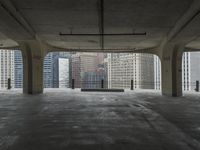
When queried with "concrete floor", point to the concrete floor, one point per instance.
{"points": [[71, 120]]}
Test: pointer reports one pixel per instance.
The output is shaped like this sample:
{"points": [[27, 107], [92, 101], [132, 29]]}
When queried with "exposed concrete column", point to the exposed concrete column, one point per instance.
{"points": [[171, 62], [33, 57]]}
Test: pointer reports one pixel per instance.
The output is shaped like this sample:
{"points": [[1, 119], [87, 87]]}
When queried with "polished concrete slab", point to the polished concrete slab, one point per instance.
{"points": [[71, 120]]}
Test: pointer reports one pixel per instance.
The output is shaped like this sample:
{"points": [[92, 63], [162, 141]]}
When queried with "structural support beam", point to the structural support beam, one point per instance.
{"points": [[33, 57], [17, 17], [171, 61], [192, 12], [101, 23], [170, 51]]}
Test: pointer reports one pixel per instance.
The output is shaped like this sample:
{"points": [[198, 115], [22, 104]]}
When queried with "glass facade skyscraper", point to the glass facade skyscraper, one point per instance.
{"points": [[18, 69], [57, 56], [48, 71]]}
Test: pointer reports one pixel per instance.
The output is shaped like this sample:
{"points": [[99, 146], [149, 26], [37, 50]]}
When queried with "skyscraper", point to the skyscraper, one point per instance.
{"points": [[18, 67], [6, 68], [191, 70], [63, 72], [194, 69], [76, 70], [61, 69], [124, 67], [86, 69], [186, 78], [157, 73], [48, 71]]}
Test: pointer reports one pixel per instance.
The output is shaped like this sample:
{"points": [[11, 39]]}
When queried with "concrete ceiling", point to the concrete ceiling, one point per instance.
{"points": [[44, 19]]}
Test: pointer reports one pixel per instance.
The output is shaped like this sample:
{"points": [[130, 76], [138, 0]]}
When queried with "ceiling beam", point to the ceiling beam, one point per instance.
{"points": [[182, 23], [17, 16], [100, 4]]}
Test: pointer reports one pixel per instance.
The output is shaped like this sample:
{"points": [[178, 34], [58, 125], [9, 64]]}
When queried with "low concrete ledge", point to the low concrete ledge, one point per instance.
{"points": [[102, 90]]}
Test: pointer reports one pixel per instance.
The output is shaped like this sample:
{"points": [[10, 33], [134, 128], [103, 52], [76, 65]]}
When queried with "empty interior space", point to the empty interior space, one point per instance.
{"points": [[99, 74]]}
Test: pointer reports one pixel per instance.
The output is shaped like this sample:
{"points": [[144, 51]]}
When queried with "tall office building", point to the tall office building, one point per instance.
{"points": [[18, 67], [186, 72], [48, 71], [61, 69], [191, 70], [76, 70], [105, 66], [86, 69], [63, 73], [7, 68], [124, 67], [157, 73], [194, 69]]}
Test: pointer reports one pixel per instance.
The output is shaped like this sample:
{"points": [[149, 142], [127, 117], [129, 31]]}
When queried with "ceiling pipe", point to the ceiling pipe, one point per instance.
{"points": [[102, 34]]}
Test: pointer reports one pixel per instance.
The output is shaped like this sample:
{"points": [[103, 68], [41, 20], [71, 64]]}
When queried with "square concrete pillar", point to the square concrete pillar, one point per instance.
{"points": [[33, 68], [171, 62]]}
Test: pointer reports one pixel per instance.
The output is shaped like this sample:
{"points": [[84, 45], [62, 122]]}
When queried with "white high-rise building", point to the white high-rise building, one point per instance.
{"points": [[157, 73], [190, 70], [186, 73], [48, 71], [124, 67], [6, 68], [194, 69], [121, 70], [63, 72]]}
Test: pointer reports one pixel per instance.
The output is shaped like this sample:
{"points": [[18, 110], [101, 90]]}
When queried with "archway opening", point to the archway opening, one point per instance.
{"points": [[191, 71], [102, 70], [56, 70], [11, 70]]}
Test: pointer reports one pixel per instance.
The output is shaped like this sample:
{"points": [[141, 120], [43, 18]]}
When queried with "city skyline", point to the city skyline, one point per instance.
{"points": [[94, 72]]}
